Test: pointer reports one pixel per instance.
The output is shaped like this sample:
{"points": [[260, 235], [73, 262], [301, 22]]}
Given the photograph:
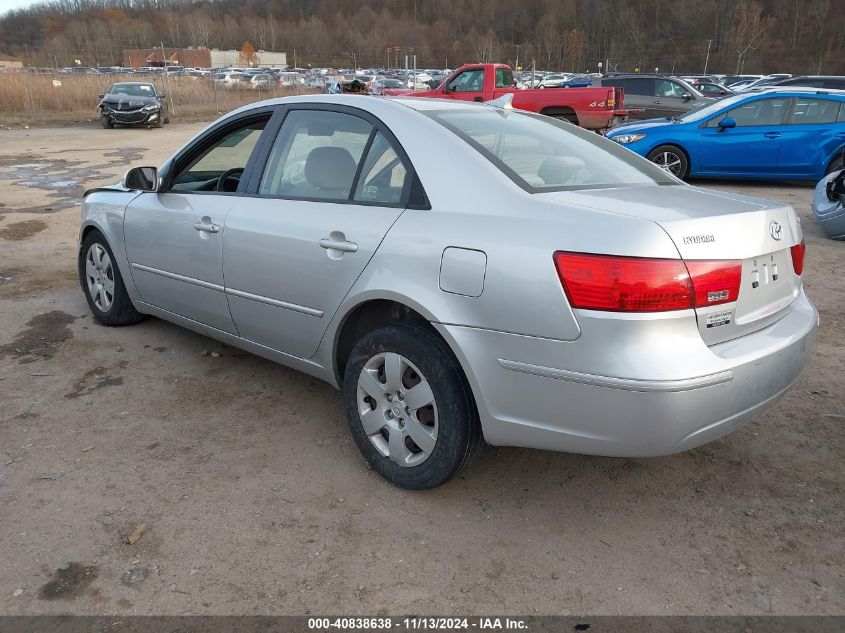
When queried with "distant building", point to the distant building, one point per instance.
{"points": [[10, 63], [197, 58]]}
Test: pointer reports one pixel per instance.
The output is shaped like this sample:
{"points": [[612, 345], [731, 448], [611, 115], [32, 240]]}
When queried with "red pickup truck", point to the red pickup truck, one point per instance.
{"points": [[593, 108]]}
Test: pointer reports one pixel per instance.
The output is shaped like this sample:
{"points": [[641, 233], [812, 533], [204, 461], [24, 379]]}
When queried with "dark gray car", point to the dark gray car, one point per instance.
{"points": [[656, 95], [133, 103]]}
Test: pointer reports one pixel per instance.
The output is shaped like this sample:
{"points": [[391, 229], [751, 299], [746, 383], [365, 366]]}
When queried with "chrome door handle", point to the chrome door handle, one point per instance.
{"points": [[208, 227], [772, 135], [338, 245]]}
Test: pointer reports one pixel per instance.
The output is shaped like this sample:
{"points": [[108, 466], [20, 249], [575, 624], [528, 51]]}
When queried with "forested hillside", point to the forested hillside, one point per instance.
{"points": [[672, 35]]}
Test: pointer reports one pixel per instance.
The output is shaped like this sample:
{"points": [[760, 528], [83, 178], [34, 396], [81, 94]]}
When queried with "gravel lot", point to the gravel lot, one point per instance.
{"points": [[255, 500]]}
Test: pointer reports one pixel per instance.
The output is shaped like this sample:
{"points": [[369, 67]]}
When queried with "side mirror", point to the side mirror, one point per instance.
{"points": [[101, 96], [686, 96], [141, 179], [726, 124], [161, 95]]}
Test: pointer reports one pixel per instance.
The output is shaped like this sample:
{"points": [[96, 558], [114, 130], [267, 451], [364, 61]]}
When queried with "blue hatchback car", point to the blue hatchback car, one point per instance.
{"points": [[790, 134]]}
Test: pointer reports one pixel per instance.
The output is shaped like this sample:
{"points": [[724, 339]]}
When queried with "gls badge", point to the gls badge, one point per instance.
{"points": [[776, 230]]}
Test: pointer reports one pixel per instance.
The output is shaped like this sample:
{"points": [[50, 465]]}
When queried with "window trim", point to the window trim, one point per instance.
{"points": [[212, 135], [262, 158]]}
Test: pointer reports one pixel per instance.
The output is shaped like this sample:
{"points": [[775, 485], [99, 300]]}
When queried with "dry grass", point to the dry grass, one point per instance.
{"points": [[26, 98]]}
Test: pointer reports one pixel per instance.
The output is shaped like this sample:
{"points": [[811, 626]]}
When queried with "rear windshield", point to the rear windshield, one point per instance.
{"points": [[541, 154]]}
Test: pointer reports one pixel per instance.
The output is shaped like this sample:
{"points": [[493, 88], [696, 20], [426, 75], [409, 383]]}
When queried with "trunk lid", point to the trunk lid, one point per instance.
{"points": [[715, 225]]}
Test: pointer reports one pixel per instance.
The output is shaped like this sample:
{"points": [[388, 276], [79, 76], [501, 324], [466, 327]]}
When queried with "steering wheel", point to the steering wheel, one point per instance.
{"points": [[233, 174]]}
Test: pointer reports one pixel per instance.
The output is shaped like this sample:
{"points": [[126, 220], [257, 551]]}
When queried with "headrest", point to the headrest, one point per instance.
{"points": [[559, 170], [330, 168]]}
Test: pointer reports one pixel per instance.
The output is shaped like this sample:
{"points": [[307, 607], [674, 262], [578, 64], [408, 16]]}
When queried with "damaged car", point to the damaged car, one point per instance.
{"points": [[133, 103]]}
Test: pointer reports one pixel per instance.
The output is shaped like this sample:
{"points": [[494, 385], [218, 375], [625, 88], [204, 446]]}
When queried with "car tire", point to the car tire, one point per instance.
{"points": [[673, 156], [107, 123], [837, 164], [383, 369], [157, 123], [102, 283], [166, 119]]}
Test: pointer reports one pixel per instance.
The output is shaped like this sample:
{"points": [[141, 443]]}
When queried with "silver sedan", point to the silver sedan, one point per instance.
{"points": [[463, 273]]}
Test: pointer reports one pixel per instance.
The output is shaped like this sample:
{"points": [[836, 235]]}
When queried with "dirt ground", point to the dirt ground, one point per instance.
{"points": [[255, 500]]}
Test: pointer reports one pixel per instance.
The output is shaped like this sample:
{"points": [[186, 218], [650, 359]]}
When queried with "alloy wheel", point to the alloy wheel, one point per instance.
{"points": [[99, 277], [669, 161], [397, 409]]}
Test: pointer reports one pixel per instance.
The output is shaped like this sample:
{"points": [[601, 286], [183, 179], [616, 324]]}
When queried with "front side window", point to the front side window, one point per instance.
{"points": [[468, 81], [542, 154], [814, 111], [666, 88], [219, 166], [316, 156]]}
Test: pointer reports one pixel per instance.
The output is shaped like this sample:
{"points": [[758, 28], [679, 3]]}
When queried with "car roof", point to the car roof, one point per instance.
{"points": [[796, 90], [132, 83]]}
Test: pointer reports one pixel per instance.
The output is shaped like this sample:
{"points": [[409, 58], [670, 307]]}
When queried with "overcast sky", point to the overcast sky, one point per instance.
{"points": [[8, 5]]}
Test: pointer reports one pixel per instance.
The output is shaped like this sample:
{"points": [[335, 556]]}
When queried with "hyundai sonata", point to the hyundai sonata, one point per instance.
{"points": [[463, 273]]}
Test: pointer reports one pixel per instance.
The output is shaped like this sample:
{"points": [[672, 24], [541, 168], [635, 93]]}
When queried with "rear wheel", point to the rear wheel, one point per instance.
{"points": [[671, 158], [103, 286], [836, 164], [409, 408]]}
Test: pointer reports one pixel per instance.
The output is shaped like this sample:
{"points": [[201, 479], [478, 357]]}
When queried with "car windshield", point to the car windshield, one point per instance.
{"points": [[393, 83], [697, 114], [542, 154], [133, 90]]}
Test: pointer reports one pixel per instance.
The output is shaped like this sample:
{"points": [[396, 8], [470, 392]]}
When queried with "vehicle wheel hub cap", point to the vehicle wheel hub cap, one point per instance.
{"points": [[99, 277], [397, 409], [669, 161]]}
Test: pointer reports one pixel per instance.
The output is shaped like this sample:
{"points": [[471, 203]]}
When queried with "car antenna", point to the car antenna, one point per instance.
{"points": [[505, 102]]}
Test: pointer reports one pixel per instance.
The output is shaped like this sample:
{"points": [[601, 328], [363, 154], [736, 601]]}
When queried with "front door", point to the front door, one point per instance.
{"points": [[752, 147], [174, 236], [333, 185]]}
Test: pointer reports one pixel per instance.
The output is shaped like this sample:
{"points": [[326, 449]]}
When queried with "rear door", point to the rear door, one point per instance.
{"points": [[749, 149], [333, 183], [811, 137]]}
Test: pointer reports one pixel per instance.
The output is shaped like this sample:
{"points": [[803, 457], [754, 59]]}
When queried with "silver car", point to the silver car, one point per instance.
{"points": [[463, 273]]}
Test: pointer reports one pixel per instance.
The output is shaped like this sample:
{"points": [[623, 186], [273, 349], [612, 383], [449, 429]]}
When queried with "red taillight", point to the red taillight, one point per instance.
{"points": [[798, 257], [636, 284], [715, 282], [611, 99]]}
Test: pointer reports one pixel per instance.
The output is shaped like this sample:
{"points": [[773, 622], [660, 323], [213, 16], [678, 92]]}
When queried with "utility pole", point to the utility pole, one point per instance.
{"points": [[517, 57], [707, 59]]}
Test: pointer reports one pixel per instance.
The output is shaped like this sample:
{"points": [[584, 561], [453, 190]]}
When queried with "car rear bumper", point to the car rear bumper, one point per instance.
{"points": [[675, 393]]}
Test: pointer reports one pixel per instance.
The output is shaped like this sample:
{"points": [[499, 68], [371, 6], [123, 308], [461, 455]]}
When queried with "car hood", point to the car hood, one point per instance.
{"points": [[115, 99], [641, 126]]}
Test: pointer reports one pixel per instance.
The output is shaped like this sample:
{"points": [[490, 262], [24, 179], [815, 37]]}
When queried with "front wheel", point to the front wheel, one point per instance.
{"points": [[409, 407], [107, 123], [835, 165], [671, 158], [103, 286]]}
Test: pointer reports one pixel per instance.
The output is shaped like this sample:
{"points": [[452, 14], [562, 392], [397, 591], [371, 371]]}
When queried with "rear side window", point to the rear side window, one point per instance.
{"points": [[316, 156], [841, 118], [639, 86], [814, 111], [504, 78], [383, 175]]}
